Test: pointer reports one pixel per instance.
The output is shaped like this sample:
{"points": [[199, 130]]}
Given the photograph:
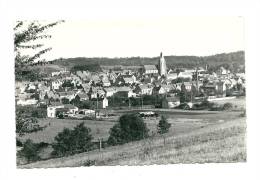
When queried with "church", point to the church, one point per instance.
{"points": [[152, 69]]}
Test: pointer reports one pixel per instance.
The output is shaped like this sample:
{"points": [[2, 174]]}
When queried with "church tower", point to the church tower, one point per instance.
{"points": [[162, 66]]}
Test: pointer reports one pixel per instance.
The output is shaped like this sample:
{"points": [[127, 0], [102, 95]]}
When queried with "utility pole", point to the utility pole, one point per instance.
{"points": [[100, 143], [129, 103], [97, 103], [142, 100]]}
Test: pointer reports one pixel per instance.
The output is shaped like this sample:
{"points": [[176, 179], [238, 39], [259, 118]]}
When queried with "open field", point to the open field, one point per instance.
{"points": [[222, 142], [182, 121]]}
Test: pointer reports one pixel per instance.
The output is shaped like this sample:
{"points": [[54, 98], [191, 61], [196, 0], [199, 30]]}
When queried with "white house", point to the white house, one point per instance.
{"points": [[150, 69], [26, 102], [185, 75], [68, 108], [56, 84], [110, 91]]}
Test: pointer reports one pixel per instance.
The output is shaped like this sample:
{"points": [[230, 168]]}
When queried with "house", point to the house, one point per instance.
{"points": [[95, 79], [186, 84], [86, 87], [51, 95], [53, 109], [150, 69], [128, 80], [26, 102], [144, 89], [56, 84], [82, 97], [170, 102], [172, 76], [214, 89], [99, 103], [124, 91], [110, 91], [67, 94], [222, 71], [158, 90], [185, 75], [95, 92], [106, 82]]}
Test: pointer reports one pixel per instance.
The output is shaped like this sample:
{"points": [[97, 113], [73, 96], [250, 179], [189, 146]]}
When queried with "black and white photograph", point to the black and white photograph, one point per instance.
{"points": [[143, 90], [132, 92]]}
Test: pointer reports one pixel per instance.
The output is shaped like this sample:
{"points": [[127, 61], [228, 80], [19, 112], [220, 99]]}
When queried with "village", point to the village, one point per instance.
{"points": [[84, 93]]}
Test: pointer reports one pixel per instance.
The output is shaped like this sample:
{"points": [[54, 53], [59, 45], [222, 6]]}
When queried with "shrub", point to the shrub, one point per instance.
{"points": [[39, 113], [129, 128], [89, 163], [30, 151], [74, 141], [163, 126], [19, 143], [227, 106]]}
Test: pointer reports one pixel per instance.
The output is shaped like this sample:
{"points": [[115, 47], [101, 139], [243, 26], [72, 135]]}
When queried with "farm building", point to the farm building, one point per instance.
{"points": [[64, 108]]}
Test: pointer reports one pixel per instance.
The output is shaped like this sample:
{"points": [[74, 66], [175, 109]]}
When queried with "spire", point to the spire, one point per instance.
{"points": [[162, 65]]}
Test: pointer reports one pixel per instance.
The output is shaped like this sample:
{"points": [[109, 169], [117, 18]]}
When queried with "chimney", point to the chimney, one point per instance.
{"points": [[161, 54]]}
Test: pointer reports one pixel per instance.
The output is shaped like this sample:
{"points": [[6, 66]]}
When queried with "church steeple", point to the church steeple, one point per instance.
{"points": [[162, 65]]}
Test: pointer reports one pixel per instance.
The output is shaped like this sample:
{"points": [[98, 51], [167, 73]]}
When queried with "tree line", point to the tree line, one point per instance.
{"points": [[129, 127]]}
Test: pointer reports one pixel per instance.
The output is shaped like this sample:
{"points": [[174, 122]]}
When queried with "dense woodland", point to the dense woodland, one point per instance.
{"points": [[234, 59]]}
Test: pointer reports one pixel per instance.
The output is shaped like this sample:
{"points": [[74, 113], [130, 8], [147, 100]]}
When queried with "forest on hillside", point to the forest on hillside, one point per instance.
{"points": [[229, 60]]}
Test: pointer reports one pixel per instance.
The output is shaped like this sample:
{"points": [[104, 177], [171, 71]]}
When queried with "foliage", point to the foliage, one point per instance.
{"points": [[81, 104], [30, 151], [163, 126], [129, 128], [172, 61], [65, 101], [39, 112], [25, 123], [87, 67], [183, 94], [67, 84], [27, 36], [74, 141], [89, 163], [180, 80], [227, 106]]}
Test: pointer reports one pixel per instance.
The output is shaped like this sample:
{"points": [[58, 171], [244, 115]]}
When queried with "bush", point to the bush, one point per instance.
{"points": [[19, 143], [129, 128], [30, 151], [89, 163], [163, 126], [39, 113], [227, 106], [74, 141]]}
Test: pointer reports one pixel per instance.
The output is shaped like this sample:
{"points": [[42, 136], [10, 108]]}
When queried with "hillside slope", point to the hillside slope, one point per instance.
{"points": [[223, 142], [229, 58]]}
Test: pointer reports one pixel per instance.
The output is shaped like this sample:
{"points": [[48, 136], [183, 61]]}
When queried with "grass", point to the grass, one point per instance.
{"points": [[223, 142], [189, 129]]}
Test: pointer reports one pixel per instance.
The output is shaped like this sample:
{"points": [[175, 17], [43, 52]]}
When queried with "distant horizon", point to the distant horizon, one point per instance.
{"points": [[106, 57]]}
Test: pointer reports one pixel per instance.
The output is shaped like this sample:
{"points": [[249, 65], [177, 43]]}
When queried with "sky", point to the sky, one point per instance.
{"points": [[146, 36]]}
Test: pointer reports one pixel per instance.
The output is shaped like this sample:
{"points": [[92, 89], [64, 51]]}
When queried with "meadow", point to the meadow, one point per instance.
{"points": [[222, 142]]}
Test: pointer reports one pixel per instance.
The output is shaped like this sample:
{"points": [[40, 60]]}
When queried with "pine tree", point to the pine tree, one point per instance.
{"points": [[26, 36], [163, 126]]}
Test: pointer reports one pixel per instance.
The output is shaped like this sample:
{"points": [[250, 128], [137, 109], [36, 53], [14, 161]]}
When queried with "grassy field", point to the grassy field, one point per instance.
{"points": [[222, 142], [182, 121], [182, 124]]}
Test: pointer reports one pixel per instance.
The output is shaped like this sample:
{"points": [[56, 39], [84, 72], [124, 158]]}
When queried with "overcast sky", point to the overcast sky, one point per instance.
{"points": [[146, 36]]}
